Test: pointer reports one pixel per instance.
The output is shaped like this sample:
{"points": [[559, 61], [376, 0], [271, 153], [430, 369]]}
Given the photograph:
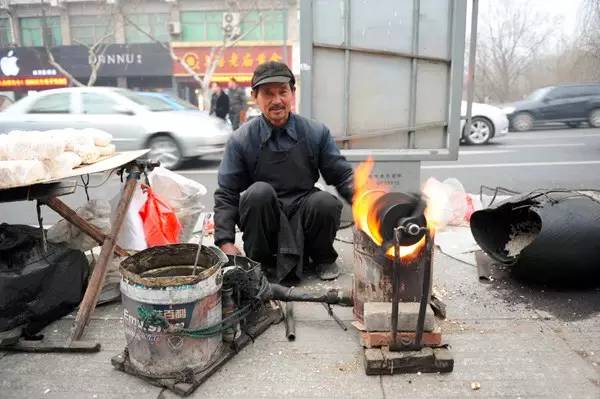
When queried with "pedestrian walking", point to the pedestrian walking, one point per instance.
{"points": [[219, 102], [237, 103]]}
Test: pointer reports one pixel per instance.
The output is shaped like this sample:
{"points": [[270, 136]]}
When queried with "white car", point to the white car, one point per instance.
{"points": [[487, 122], [134, 120]]}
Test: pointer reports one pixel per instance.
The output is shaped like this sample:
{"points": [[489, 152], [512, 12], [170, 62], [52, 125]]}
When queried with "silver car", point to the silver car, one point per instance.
{"points": [[135, 121]]}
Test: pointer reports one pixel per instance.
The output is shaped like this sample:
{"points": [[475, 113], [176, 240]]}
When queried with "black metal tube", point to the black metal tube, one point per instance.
{"points": [[395, 286], [332, 296], [424, 298], [290, 322]]}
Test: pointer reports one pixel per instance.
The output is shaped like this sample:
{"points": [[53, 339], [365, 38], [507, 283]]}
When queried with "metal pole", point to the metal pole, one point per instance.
{"points": [[285, 11], [395, 286], [346, 117], [412, 113], [306, 57], [471, 71]]}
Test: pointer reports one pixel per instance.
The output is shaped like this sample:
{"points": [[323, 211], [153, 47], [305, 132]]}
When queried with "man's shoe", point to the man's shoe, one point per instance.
{"points": [[328, 271]]}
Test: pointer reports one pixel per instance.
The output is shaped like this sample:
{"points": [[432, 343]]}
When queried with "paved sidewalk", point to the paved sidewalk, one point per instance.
{"points": [[513, 340]]}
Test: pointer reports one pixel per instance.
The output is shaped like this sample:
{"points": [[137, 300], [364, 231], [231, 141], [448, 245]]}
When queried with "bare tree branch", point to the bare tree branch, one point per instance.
{"points": [[51, 58], [508, 48], [216, 53]]}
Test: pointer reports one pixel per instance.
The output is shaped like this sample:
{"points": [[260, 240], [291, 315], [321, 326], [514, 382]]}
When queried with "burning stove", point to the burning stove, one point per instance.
{"points": [[393, 248]]}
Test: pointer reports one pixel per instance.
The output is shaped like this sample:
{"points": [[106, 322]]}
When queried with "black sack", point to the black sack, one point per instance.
{"points": [[37, 288], [559, 232]]}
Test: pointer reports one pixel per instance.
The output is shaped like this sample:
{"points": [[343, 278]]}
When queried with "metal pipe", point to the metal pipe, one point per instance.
{"points": [[401, 54], [332, 296], [395, 287], [412, 110], [471, 70], [346, 117], [290, 322], [424, 299]]}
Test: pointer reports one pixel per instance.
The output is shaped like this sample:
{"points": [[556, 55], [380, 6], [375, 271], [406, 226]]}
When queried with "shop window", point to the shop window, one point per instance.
{"points": [[201, 26], [33, 32], [91, 29], [98, 104], [266, 25], [59, 103], [156, 25], [263, 25], [6, 38]]}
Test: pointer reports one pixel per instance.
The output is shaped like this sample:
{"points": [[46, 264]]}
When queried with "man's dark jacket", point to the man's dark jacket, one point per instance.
{"points": [[219, 105], [236, 172]]}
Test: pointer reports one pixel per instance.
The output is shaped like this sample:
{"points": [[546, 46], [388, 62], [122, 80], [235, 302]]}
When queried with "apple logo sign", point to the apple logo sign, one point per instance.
{"points": [[8, 64]]}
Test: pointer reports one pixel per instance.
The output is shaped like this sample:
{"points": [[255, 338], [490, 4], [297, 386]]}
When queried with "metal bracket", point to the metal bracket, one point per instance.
{"points": [[406, 227]]}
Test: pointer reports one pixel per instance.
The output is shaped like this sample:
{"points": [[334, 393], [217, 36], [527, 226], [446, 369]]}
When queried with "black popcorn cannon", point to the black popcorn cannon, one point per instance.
{"points": [[393, 249]]}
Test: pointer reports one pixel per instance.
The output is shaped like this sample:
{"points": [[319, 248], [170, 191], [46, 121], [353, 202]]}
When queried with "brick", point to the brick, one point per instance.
{"points": [[383, 338], [378, 316]]}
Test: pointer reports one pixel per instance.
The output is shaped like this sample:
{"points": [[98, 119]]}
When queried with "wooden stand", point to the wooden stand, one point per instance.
{"points": [[47, 194]]}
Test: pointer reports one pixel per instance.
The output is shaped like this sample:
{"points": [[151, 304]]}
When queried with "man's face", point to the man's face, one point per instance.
{"points": [[215, 88], [274, 101], [232, 84]]}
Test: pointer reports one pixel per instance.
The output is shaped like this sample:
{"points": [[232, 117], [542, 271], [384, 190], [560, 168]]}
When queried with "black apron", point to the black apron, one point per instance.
{"points": [[291, 175]]}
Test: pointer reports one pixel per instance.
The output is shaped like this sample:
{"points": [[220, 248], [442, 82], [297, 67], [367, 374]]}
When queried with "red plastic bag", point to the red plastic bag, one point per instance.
{"points": [[161, 226]]}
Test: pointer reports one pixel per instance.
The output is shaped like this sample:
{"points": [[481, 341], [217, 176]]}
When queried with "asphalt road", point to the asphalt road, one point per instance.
{"points": [[565, 158]]}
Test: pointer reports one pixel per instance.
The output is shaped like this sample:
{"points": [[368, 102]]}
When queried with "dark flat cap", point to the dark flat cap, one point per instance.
{"points": [[272, 72]]}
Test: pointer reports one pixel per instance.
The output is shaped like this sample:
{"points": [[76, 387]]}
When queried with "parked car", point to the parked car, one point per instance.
{"points": [[134, 120], [571, 104], [487, 122], [176, 103]]}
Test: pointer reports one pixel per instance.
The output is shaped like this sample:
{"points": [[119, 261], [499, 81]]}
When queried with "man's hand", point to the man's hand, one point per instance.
{"points": [[230, 248]]}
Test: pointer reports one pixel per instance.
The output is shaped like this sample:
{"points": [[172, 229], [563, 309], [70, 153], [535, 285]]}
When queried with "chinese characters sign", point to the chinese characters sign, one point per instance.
{"points": [[15, 83], [239, 61]]}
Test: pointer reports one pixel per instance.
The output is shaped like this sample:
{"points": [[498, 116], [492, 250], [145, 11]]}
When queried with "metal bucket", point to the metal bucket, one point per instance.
{"points": [[161, 280]]}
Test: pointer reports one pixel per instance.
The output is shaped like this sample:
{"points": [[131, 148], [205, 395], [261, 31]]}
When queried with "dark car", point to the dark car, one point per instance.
{"points": [[571, 104]]}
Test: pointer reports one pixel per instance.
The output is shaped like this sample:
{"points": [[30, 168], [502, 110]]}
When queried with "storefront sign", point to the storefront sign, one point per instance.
{"points": [[29, 83], [238, 61], [117, 60], [25, 61], [28, 68]]}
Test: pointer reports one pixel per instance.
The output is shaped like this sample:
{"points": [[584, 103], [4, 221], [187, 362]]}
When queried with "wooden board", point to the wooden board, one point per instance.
{"points": [[108, 163], [382, 361]]}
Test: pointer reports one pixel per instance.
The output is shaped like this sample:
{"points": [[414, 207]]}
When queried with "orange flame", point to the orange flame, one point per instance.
{"points": [[367, 190], [409, 253]]}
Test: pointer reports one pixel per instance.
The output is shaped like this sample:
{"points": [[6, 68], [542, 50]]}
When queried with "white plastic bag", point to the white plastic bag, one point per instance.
{"points": [[96, 212], [88, 153], [100, 137], [131, 236], [21, 173], [71, 138], [62, 165], [181, 194], [107, 150], [32, 145], [3, 147], [448, 203]]}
